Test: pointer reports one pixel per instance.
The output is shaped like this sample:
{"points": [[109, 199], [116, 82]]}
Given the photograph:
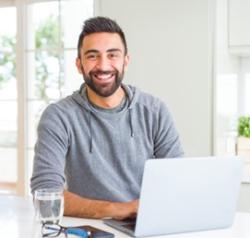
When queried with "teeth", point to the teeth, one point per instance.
{"points": [[103, 76]]}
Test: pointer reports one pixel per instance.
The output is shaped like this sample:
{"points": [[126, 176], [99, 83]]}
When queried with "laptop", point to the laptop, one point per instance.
{"points": [[184, 195]]}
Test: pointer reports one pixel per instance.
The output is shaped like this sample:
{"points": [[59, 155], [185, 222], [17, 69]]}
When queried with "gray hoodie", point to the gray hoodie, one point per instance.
{"points": [[100, 154]]}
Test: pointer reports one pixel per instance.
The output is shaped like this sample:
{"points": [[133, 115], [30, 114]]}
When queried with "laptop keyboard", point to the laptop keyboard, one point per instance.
{"points": [[130, 226], [129, 223]]}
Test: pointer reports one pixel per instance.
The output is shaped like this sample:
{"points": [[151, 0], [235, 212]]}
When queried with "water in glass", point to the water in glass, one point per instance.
{"points": [[49, 205]]}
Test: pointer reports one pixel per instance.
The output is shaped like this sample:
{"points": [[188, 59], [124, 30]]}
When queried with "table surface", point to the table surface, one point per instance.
{"points": [[17, 221]]}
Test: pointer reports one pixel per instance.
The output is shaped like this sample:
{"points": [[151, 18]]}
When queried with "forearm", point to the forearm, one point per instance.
{"points": [[78, 206]]}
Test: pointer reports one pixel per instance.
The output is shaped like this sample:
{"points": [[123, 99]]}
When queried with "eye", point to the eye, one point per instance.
{"points": [[114, 55], [91, 56]]}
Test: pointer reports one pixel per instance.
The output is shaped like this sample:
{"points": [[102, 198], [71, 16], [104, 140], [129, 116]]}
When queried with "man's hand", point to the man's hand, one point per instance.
{"points": [[125, 210]]}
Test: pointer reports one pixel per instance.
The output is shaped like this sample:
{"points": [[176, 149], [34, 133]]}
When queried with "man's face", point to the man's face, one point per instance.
{"points": [[103, 62]]}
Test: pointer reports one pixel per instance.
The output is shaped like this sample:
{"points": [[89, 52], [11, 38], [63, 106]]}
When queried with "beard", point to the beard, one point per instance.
{"points": [[104, 90]]}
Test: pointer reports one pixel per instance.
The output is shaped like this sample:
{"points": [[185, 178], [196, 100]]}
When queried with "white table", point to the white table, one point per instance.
{"points": [[17, 221]]}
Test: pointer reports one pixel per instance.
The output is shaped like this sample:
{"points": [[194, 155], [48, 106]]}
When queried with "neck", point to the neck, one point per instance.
{"points": [[106, 102]]}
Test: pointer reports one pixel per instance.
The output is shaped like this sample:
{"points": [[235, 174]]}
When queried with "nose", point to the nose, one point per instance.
{"points": [[103, 63]]}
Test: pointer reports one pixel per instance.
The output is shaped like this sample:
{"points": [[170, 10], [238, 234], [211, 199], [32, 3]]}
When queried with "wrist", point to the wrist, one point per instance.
{"points": [[111, 209]]}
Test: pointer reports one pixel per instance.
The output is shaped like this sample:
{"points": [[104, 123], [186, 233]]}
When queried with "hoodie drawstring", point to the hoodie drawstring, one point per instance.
{"points": [[131, 122], [90, 133]]}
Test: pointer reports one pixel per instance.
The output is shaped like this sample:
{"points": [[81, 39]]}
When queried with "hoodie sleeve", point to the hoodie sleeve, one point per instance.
{"points": [[50, 150], [166, 141]]}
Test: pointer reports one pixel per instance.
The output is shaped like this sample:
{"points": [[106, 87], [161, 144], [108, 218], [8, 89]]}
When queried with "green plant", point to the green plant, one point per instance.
{"points": [[244, 126], [7, 59]]}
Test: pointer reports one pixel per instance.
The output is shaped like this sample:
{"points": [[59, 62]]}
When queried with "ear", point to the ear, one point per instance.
{"points": [[126, 61], [79, 65]]}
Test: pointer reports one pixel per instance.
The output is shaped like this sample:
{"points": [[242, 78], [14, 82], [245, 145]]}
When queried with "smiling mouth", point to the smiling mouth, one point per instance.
{"points": [[104, 76]]}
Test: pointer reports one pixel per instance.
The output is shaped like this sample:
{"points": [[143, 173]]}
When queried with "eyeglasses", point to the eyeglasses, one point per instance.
{"points": [[54, 230]]}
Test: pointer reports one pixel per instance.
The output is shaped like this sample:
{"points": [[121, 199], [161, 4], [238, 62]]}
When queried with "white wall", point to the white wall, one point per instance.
{"points": [[170, 43]]}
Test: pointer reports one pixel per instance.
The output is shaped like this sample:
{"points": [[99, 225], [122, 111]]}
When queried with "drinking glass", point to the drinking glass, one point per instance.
{"points": [[49, 205]]}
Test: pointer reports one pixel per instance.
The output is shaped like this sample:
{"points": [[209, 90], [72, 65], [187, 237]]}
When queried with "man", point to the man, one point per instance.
{"points": [[96, 141]]}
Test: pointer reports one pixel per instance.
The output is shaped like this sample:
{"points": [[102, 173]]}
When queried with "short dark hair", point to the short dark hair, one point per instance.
{"points": [[100, 24]]}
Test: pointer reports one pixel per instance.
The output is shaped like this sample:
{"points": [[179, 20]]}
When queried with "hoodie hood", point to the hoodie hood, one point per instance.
{"points": [[80, 97]]}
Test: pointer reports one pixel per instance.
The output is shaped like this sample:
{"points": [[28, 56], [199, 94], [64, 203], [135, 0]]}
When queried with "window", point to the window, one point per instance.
{"points": [[226, 112], [43, 66], [245, 80]]}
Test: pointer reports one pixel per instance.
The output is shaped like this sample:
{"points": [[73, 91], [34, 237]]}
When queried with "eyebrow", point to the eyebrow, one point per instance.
{"points": [[114, 49], [96, 51], [90, 51]]}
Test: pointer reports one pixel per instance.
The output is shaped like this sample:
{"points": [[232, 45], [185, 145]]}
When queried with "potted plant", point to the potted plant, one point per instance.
{"points": [[243, 140]]}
